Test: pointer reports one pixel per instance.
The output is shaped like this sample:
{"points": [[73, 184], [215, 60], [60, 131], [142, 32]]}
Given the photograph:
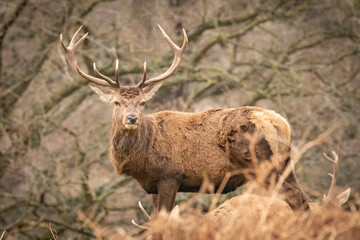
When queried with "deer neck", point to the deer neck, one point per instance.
{"points": [[130, 147]]}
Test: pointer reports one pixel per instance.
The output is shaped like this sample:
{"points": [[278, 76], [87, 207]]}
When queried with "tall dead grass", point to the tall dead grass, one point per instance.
{"points": [[324, 224]]}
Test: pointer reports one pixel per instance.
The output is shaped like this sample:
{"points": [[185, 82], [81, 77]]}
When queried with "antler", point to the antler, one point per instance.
{"points": [[108, 82], [71, 58], [178, 52], [143, 210], [334, 162]]}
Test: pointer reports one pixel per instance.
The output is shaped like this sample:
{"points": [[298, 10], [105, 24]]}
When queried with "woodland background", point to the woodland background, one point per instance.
{"points": [[300, 58]]}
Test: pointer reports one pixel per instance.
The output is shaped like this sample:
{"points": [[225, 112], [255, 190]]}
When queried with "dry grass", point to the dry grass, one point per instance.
{"points": [[190, 223], [325, 224], [329, 224]]}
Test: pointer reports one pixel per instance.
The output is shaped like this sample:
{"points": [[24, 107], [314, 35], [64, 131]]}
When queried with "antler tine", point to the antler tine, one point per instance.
{"points": [[73, 46], [144, 75], [186, 40], [62, 42], [168, 39], [334, 162], [171, 43], [92, 79], [144, 211], [117, 72], [141, 84], [146, 214], [70, 50], [71, 58], [138, 225], [178, 52], [106, 78], [72, 41]]}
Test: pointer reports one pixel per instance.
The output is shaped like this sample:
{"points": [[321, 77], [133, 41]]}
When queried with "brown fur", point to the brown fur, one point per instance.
{"points": [[129, 92], [250, 208], [173, 151]]}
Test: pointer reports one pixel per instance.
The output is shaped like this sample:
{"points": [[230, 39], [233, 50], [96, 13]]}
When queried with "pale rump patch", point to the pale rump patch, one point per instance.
{"points": [[275, 128]]}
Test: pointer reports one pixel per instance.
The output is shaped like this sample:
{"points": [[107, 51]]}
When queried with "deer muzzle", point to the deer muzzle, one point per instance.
{"points": [[131, 121]]}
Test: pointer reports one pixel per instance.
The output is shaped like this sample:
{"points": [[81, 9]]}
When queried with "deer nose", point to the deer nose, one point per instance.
{"points": [[132, 119]]}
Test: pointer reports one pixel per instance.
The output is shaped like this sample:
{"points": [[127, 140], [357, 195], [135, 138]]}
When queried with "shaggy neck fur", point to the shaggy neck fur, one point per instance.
{"points": [[129, 148]]}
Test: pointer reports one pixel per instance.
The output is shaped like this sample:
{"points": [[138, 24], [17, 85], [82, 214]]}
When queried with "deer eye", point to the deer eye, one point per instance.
{"points": [[117, 103], [142, 104]]}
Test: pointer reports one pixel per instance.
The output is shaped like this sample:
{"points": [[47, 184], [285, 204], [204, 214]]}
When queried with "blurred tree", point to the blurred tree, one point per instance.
{"points": [[300, 58]]}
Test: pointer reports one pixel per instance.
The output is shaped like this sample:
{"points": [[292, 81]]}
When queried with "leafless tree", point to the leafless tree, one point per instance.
{"points": [[300, 58]]}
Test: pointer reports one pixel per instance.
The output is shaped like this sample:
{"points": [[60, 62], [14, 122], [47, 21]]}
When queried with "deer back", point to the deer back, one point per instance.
{"points": [[250, 208]]}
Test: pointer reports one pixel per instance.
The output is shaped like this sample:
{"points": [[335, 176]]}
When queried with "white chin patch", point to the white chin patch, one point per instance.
{"points": [[131, 126]]}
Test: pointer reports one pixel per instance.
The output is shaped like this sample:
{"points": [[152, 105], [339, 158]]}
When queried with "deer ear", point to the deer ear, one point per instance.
{"points": [[344, 196], [175, 213], [150, 89], [104, 92]]}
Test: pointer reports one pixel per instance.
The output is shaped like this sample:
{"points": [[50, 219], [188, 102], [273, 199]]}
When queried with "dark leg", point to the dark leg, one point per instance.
{"points": [[155, 202], [166, 194]]}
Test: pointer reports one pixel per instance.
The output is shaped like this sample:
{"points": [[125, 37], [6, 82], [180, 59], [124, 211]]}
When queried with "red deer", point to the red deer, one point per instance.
{"points": [[330, 200], [169, 152]]}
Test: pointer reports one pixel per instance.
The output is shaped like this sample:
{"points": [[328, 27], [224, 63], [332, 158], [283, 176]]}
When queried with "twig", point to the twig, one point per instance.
{"points": [[218, 40], [2, 235], [71, 228], [54, 235], [194, 34]]}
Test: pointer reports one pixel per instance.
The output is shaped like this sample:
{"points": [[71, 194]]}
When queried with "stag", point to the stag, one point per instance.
{"points": [[169, 152], [330, 200]]}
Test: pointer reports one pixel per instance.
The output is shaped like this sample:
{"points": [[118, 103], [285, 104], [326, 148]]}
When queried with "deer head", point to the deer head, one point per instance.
{"points": [[128, 101], [330, 200]]}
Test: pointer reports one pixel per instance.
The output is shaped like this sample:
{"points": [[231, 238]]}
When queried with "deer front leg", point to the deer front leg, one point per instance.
{"points": [[167, 190], [155, 202]]}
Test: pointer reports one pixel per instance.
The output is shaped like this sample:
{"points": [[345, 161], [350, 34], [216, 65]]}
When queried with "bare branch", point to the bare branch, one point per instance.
{"points": [[2, 235]]}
